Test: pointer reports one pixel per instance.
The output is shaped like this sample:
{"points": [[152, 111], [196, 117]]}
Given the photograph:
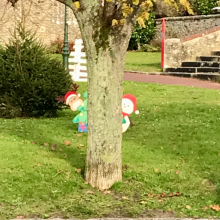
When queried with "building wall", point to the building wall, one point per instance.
{"points": [[45, 17], [187, 49], [181, 27]]}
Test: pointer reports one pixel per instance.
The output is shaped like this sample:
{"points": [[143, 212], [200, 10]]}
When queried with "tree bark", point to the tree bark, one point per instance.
{"points": [[105, 64]]}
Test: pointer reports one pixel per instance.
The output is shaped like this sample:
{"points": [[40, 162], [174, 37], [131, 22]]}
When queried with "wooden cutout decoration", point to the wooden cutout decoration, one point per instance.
{"points": [[81, 118], [129, 105], [75, 87], [60, 99], [77, 104]]}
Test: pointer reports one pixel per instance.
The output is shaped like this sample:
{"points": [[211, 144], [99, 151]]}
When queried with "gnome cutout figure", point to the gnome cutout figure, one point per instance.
{"points": [[129, 105], [81, 118], [72, 98]]}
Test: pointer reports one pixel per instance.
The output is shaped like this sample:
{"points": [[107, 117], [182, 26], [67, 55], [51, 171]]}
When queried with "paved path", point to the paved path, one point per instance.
{"points": [[170, 80]]}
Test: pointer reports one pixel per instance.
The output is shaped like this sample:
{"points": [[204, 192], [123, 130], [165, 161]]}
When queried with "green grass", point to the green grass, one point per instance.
{"points": [[143, 62], [138, 61], [177, 130]]}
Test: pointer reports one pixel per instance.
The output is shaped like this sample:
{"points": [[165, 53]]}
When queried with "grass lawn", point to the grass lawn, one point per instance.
{"points": [[174, 147], [138, 61]]}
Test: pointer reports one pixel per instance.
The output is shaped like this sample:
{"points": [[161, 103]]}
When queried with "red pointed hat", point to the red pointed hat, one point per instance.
{"points": [[133, 100], [69, 95]]}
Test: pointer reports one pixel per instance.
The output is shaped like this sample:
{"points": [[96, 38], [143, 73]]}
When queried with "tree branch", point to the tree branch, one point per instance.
{"points": [[68, 3]]}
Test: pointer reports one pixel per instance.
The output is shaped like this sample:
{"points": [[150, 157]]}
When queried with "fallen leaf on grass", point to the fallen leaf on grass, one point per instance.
{"points": [[174, 194], [106, 192], [53, 148], [20, 217], [79, 135], [188, 207], [58, 171], [89, 192], [33, 142], [78, 170], [79, 146], [143, 202], [150, 195], [39, 165], [205, 208], [160, 200], [215, 207], [177, 172], [156, 170], [162, 195], [67, 143], [68, 175], [125, 198], [45, 144]]}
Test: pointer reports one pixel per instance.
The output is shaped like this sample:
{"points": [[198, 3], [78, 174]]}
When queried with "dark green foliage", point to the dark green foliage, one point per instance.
{"points": [[58, 44], [204, 7], [30, 80], [142, 36]]}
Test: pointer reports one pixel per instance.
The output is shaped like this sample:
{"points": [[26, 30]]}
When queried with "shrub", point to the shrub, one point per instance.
{"points": [[149, 48], [142, 36], [58, 44], [204, 7], [30, 80]]}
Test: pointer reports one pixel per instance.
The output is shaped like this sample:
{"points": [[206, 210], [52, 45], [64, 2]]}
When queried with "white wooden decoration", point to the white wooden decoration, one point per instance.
{"points": [[77, 63]]}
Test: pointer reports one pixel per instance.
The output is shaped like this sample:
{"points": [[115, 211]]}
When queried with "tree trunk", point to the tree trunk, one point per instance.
{"points": [[105, 66]]}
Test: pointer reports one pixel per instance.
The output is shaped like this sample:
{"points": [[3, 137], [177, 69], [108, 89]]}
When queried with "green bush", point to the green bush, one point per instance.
{"points": [[204, 7], [149, 48], [142, 36], [30, 80], [56, 46]]}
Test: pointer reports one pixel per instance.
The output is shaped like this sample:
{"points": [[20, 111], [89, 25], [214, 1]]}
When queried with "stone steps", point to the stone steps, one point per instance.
{"points": [[194, 69], [208, 58], [205, 67], [215, 53], [200, 64], [214, 77]]}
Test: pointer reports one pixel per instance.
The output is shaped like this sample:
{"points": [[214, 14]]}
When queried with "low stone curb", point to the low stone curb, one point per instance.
{"points": [[209, 77], [147, 73]]}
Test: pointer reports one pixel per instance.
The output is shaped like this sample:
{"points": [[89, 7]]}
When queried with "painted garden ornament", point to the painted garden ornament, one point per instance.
{"points": [[73, 100], [129, 105]]}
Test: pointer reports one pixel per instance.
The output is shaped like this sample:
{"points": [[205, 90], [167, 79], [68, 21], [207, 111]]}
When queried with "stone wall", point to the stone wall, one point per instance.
{"points": [[181, 27], [187, 49], [45, 17]]}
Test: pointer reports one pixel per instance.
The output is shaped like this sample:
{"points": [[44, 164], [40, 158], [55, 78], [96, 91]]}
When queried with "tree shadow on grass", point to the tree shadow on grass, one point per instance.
{"points": [[52, 134], [151, 65]]}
